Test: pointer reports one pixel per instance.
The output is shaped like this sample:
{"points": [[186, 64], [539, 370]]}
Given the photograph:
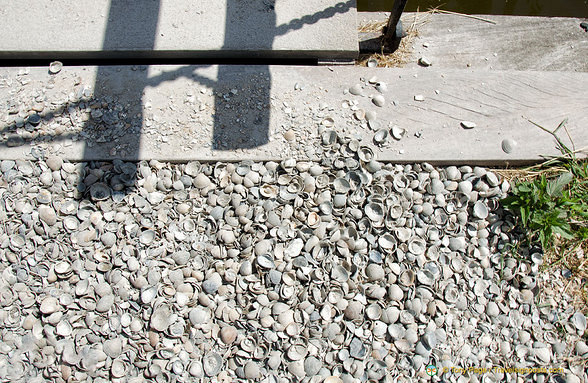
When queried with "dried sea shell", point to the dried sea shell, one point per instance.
{"points": [[379, 100], [99, 191], [508, 145]]}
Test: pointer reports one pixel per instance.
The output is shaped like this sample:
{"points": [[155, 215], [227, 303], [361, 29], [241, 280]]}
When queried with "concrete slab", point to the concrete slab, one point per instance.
{"points": [[178, 113], [60, 29], [512, 43]]}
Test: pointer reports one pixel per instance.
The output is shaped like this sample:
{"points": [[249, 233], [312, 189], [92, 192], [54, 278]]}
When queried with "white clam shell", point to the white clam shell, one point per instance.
{"points": [[382, 87], [55, 67], [579, 322], [374, 212], [269, 191], [64, 328], [328, 122], [374, 311], [397, 132], [160, 319], [99, 191], [480, 210], [417, 246], [407, 278], [341, 185], [508, 145], [468, 124], [297, 352], [379, 100], [265, 261], [356, 90], [201, 181], [212, 364], [119, 368], [380, 137], [387, 242]]}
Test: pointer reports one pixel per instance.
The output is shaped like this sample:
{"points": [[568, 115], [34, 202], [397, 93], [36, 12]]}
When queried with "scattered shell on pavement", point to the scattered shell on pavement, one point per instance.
{"points": [[508, 145], [382, 87], [379, 100], [424, 61], [468, 124], [55, 67], [341, 269], [356, 90]]}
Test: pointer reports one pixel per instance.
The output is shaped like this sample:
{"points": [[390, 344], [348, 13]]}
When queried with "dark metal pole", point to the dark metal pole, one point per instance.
{"points": [[390, 33]]}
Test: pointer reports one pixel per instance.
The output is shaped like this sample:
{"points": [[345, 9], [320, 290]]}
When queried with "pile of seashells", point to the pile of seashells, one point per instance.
{"points": [[345, 270]]}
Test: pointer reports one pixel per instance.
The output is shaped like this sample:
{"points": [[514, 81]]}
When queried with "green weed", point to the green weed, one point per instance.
{"points": [[554, 205]]}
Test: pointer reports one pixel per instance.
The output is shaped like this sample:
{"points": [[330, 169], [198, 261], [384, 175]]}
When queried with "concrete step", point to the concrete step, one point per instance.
{"points": [[504, 43], [90, 29], [178, 113]]}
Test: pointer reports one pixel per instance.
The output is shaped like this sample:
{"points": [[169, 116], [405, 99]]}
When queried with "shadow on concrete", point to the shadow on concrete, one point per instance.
{"points": [[242, 100], [242, 110]]}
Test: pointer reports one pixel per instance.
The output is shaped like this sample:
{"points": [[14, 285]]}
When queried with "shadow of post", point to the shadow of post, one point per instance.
{"points": [[130, 24], [242, 102]]}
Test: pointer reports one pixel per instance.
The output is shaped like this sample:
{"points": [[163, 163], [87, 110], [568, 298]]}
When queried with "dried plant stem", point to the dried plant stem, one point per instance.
{"points": [[465, 15]]}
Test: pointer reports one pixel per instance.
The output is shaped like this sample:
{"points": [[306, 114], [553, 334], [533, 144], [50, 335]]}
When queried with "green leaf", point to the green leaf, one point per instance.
{"points": [[524, 188], [543, 239], [565, 231], [555, 187], [524, 215], [508, 201]]}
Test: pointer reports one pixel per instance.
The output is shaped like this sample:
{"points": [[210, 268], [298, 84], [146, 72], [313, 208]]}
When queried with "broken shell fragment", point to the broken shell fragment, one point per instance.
{"points": [[380, 137], [468, 124], [381, 87], [55, 67], [424, 61], [397, 132], [360, 114]]}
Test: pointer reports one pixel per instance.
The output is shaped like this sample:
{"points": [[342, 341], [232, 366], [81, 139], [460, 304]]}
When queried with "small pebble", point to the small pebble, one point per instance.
{"points": [[14, 141], [34, 119]]}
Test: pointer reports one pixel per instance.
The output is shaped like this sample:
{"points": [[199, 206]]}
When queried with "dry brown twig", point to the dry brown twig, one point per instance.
{"points": [[436, 10], [403, 54], [372, 26]]}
